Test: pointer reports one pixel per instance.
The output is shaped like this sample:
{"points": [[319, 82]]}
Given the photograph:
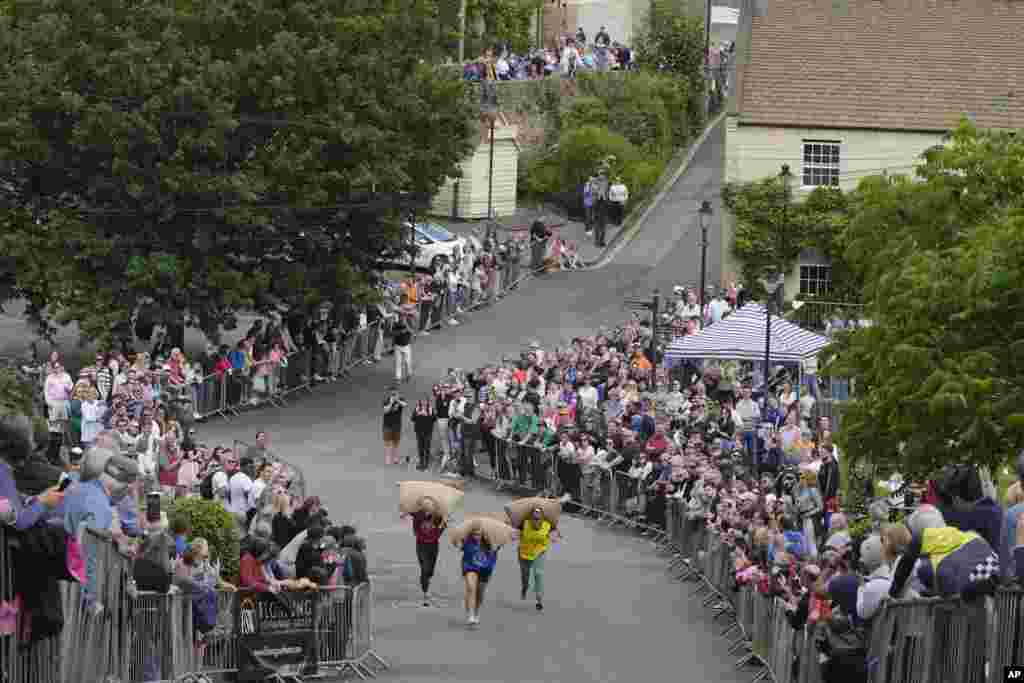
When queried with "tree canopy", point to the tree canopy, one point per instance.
{"points": [[771, 229], [671, 40], [202, 158], [939, 376]]}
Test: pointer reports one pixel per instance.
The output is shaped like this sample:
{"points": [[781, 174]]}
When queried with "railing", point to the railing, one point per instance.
{"points": [[929, 640], [114, 633], [821, 316], [230, 393], [612, 496]]}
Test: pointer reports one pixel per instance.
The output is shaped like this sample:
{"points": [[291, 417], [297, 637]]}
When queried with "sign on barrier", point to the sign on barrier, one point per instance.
{"points": [[276, 635]]}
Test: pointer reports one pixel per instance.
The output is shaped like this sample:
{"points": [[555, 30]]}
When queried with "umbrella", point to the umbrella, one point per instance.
{"points": [[412, 493], [519, 510], [496, 532]]}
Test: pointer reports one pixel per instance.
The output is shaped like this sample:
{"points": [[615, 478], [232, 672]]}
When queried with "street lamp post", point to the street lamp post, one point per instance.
{"points": [[489, 109], [778, 282], [704, 213], [655, 312]]}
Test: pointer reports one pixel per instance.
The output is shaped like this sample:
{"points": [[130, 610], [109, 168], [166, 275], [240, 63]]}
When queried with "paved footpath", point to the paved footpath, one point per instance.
{"points": [[611, 613]]}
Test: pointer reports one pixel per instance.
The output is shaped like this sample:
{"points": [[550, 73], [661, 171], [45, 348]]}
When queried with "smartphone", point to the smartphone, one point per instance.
{"points": [[153, 508], [65, 481]]}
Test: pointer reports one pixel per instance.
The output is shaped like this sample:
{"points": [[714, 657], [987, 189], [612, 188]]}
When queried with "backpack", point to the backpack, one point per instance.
{"points": [[840, 637], [206, 486]]}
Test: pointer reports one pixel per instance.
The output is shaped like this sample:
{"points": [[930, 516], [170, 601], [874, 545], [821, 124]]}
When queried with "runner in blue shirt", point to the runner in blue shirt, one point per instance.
{"points": [[478, 561]]}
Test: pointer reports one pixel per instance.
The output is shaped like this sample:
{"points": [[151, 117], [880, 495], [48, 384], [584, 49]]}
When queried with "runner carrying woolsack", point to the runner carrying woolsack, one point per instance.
{"points": [[478, 561], [535, 539]]}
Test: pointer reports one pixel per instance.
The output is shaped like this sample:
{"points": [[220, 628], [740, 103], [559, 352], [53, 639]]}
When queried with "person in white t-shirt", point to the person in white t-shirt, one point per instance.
{"points": [[261, 485], [587, 396], [502, 69], [239, 492], [570, 58], [618, 195]]}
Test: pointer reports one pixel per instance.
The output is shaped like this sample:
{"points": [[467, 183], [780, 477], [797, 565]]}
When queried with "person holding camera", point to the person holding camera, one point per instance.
{"points": [[394, 404]]}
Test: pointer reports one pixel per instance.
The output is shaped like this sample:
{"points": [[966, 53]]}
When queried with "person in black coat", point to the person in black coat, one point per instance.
{"points": [[423, 419], [353, 561], [283, 528], [310, 555]]}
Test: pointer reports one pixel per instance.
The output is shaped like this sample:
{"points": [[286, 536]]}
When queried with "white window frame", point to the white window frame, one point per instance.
{"points": [[801, 279], [818, 157]]}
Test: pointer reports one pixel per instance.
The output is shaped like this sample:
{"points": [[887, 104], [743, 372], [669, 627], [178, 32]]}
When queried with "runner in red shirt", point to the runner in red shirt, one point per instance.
{"points": [[428, 526]]}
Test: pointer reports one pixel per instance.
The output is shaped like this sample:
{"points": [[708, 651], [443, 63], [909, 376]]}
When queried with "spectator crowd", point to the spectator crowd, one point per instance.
{"points": [[762, 476], [121, 456], [572, 55], [762, 473]]}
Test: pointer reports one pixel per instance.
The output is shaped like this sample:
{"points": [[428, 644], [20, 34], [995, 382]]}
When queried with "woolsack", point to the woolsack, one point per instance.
{"points": [[412, 493], [496, 516], [519, 510], [496, 532]]}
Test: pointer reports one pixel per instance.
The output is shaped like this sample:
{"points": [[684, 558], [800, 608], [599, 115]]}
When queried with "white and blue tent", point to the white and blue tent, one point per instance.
{"points": [[741, 336]]}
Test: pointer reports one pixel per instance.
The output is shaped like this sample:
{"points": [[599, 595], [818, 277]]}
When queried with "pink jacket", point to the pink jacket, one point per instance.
{"points": [[58, 387]]}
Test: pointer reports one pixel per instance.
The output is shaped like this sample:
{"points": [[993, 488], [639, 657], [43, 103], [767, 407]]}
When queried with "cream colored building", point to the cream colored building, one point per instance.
{"points": [[466, 197], [843, 90]]}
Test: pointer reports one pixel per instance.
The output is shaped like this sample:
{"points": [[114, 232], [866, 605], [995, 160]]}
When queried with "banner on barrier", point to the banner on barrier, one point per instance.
{"points": [[276, 636]]}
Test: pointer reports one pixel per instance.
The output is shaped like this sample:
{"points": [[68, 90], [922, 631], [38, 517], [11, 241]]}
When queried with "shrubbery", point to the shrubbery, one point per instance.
{"points": [[640, 119], [211, 521]]}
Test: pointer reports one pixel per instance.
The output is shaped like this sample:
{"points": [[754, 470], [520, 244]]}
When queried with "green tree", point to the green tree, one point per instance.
{"points": [[672, 40], [939, 376], [771, 229], [17, 394], [504, 21], [202, 158]]}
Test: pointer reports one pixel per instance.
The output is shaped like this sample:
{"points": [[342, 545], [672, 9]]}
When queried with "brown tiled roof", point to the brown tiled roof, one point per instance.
{"points": [[885, 64]]}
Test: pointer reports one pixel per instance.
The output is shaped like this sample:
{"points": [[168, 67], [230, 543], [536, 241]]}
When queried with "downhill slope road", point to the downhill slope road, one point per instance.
{"points": [[611, 612]]}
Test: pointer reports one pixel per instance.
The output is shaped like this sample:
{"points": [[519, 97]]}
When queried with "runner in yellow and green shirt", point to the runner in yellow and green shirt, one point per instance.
{"points": [[534, 540]]}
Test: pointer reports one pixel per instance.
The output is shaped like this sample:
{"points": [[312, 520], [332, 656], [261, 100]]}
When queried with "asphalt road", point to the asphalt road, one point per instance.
{"points": [[612, 614]]}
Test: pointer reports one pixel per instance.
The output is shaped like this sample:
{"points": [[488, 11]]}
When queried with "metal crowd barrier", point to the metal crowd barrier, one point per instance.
{"points": [[928, 640], [612, 497], [524, 466], [114, 633], [228, 394], [163, 645]]}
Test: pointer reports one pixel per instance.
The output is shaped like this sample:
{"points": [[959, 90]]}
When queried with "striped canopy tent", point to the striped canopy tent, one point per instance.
{"points": [[740, 336]]}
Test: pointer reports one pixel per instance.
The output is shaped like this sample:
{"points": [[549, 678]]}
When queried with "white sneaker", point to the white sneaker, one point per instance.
{"points": [[474, 620], [425, 333], [453, 322]]}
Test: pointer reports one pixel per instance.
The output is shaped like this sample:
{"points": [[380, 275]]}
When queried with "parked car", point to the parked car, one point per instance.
{"points": [[434, 245]]}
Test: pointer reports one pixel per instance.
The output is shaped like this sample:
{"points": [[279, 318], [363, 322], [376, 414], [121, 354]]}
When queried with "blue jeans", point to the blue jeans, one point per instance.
{"points": [[750, 444]]}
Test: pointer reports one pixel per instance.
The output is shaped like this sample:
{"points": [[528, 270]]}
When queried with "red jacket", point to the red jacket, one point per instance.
{"points": [[222, 366], [251, 574]]}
